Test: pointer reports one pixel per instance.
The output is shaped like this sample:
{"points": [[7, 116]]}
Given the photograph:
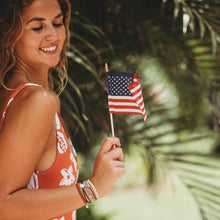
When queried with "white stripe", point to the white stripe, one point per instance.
{"points": [[9, 102], [131, 98], [121, 97], [32, 84], [126, 110], [142, 107], [123, 103], [140, 100], [135, 88], [143, 111], [138, 94], [129, 110]]}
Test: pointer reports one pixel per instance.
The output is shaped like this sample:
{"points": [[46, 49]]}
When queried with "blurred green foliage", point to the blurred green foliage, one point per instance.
{"points": [[173, 47]]}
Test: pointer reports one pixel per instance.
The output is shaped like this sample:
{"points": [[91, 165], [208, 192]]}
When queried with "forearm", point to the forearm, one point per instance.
{"points": [[40, 204]]}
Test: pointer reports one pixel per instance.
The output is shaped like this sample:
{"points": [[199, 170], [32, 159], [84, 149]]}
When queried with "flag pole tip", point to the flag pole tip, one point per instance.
{"points": [[106, 67]]}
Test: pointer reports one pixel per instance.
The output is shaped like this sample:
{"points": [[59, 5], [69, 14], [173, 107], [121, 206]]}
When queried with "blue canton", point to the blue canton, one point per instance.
{"points": [[118, 82]]}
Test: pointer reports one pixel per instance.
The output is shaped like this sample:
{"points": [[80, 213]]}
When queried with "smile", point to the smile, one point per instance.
{"points": [[48, 49]]}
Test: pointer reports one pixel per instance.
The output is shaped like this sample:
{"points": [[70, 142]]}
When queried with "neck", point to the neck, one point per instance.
{"points": [[37, 75], [40, 77]]}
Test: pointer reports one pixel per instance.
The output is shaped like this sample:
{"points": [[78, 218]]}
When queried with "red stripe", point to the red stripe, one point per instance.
{"points": [[136, 92], [124, 107], [134, 84], [139, 97], [136, 113], [140, 106], [121, 100], [141, 103], [136, 76]]}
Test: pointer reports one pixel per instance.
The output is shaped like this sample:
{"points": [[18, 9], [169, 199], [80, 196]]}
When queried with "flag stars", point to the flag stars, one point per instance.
{"points": [[118, 84]]}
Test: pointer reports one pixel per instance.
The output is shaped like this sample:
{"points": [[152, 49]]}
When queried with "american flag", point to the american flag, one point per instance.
{"points": [[124, 94]]}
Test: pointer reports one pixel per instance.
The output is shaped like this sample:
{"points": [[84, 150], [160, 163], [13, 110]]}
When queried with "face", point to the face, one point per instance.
{"points": [[44, 34]]}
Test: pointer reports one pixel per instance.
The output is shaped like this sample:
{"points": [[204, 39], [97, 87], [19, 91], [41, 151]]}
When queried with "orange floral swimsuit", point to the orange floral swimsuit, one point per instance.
{"points": [[64, 171]]}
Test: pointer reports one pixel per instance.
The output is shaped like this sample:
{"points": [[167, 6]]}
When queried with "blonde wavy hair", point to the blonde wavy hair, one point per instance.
{"points": [[11, 29]]}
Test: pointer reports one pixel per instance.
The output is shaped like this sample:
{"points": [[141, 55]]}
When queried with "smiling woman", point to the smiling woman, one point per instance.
{"points": [[38, 163], [43, 38], [14, 24]]}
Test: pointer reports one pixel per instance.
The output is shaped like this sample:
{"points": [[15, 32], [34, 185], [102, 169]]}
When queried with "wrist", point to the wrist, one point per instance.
{"points": [[94, 189], [87, 191], [95, 183]]}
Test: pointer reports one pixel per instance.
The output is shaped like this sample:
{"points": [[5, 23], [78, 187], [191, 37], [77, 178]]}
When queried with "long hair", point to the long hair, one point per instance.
{"points": [[11, 29]]}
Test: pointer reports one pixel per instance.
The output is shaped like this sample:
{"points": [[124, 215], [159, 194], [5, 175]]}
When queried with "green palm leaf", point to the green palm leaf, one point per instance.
{"points": [[180, 83]]}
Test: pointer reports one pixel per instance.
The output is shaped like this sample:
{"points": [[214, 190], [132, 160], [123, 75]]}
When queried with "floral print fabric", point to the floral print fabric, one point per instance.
{"points": [[64, 170]]}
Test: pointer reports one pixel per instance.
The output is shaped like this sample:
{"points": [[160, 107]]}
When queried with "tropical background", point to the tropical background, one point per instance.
{"points": [[172, 161]]}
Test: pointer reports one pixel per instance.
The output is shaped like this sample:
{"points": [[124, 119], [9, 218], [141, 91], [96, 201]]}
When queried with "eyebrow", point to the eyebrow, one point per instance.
{"points": [[42, 19]]}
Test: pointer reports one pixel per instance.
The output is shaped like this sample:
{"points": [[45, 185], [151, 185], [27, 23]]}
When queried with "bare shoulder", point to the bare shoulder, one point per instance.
{"points": [[39, 96], [32, 101]]}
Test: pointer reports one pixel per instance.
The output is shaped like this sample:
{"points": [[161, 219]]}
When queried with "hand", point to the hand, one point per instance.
{"points": [[108, 166]]}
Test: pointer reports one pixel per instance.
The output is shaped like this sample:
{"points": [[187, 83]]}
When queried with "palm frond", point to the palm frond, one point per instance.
{"points": [[205, 13], [183, 115]]}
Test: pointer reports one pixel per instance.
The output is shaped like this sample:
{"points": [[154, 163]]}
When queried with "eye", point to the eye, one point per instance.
{"points": [[58, 24], [37, 29]]}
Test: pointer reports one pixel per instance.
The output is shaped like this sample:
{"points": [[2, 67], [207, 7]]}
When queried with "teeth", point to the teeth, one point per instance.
{"points": [[48, 49]]}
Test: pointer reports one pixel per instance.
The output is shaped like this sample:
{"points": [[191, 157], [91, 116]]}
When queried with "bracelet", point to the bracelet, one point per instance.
{"points": [[94, 189], [87, 192], [80, 192]]}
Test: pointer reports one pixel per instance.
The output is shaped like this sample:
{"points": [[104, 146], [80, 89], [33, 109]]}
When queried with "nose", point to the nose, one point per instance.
{"points": [[51, 34]]}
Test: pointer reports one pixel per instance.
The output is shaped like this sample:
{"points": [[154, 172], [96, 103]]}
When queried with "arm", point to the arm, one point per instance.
{"points": [[23, 138], [22, 142]]}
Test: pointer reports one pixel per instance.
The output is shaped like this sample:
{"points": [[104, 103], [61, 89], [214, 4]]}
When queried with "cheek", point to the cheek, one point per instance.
{"points": [[62, 35], [26, 42], [20, 48]]}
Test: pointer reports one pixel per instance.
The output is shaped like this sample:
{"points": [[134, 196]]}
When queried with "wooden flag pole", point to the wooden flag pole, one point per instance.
{"points": [[111, 115]]}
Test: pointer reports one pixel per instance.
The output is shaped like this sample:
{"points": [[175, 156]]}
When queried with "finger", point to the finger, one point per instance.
{"points": [[108, 143], [119, 164], [116, 154], [120, 171]]}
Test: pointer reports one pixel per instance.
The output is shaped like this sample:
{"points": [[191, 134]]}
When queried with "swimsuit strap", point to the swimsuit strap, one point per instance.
{"points": [[14, 95]]}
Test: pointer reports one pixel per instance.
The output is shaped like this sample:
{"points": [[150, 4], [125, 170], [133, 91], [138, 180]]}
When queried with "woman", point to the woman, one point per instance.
{"points": [[38, 164]]}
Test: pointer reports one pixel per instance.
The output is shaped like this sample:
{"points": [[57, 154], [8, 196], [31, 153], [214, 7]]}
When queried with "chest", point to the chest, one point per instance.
{"points": [[58, 143], [49, 155], [63, 166]]}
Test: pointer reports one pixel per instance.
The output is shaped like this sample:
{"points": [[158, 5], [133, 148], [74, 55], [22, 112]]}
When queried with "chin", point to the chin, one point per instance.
{"points": [[52, 64]]}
